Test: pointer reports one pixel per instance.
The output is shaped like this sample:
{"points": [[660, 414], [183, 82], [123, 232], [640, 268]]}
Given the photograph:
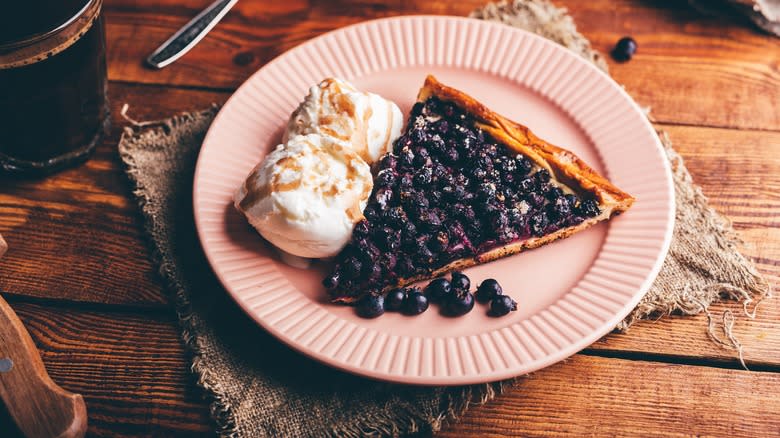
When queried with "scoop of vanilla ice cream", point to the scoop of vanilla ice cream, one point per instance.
{"points": [[335, 108], [306, 196]]}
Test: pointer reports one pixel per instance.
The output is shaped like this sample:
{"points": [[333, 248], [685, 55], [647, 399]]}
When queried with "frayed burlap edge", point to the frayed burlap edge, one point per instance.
{"points": [[690, 302], [455, 402], [545, 19], [219, 407]]}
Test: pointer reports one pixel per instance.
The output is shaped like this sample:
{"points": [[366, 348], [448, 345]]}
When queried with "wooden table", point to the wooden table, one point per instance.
{"points": [[78, 272]]}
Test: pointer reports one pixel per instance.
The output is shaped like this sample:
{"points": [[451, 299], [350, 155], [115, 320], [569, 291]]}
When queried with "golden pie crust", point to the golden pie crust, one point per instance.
{"points": [[563, 165]]}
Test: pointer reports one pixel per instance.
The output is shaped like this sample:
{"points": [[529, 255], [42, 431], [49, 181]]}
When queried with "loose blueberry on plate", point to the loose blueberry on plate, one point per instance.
{"points": [[371, 306], [460, 282], [438, 290], [459, 304], [500, 305], [488, 290], [395, 299], [416, 303]]}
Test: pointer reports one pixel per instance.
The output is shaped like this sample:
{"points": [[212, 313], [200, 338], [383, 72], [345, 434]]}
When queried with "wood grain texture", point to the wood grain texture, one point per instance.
{"points": [[740, 173], [690, 69], [592, 396], [78, 235], [130, 368], [38, 407], [132, 371]]}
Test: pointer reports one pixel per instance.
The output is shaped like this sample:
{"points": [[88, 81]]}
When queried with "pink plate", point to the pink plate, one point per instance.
{"points": [[570, 293]]}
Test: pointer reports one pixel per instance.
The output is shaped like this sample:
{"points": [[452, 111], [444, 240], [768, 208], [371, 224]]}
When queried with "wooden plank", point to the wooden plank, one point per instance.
{"points": [[131, 369], [133, 374], [78, 235], [690, 69], [593, 396], [740, 173], [99, 254]]}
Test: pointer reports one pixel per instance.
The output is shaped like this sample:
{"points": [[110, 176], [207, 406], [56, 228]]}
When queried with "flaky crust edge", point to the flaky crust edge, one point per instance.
{"points": [[563, 164]]}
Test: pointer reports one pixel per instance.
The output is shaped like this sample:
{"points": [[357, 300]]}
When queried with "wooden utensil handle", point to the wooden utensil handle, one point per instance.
{"points": [[37, 405]]}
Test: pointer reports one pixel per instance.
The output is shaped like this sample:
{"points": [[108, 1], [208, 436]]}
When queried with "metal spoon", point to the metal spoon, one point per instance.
{"points": [[185, 38]]}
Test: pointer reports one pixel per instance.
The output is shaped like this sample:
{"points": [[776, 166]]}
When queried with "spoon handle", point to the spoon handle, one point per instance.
{"points": [[188, 36]]}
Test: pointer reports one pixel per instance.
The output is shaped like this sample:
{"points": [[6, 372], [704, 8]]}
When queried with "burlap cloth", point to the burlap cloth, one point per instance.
{"points": [[257, 387]]}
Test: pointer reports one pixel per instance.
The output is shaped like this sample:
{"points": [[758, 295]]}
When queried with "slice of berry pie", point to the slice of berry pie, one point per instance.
{"points": [[465, 186]]}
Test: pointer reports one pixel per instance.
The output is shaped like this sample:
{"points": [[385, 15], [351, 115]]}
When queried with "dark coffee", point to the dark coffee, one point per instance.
{"points": [[53, 107]]}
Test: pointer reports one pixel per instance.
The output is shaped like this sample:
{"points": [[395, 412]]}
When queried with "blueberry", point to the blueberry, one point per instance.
{"points": [[385, 178], [388, 238], [421, 156], [384, 198], [389, 260], [451, 155], [461, 180], [406, 157], [479, 173], [371, 213], [526, 185], [438, 290], [332, 281], [417, 135], [553, 193], [486, 191], [424, 176], [409, 230], [395, 299], [443, 126], [361, 229], [417, 109], [542, 177], [396, 216], [406, 182], [424, 254], [508, 165], [416, 303], [523, 165], [491, 150], [624, 49], [536, 200], [448, 109], [432, 105], [375, 271], [460, 282], [371, 306], [352, 267], [487, 290], [499, 220], [500, 305], [442, 174], [460, 304], [539, 222], [588, 208], [430, 220], [440, 242], [389, 161], [560, 208]]}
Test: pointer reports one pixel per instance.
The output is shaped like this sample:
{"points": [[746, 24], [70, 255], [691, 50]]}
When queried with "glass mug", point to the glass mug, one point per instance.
{"points": [[53, 106]]}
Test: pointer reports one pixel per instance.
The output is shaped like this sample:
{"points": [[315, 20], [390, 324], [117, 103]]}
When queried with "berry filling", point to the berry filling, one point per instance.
{"points": [[448, 191]]}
